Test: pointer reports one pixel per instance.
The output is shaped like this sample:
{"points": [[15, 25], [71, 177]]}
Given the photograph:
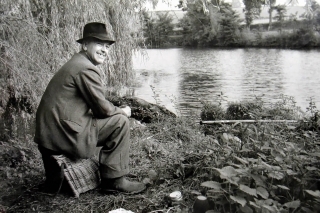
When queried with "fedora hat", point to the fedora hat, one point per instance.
{"points": [[96, 30]]}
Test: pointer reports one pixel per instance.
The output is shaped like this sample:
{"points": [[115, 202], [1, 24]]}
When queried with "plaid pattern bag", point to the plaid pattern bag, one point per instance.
{"points": [[81, 175]]}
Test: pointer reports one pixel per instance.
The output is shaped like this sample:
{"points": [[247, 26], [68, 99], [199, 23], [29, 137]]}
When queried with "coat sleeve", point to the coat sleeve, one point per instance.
{"points": [[91, 88]]}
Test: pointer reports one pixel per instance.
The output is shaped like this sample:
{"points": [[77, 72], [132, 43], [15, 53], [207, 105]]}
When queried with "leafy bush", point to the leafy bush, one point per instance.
{"points": [[298, 39], [266, 167], [244, 110], [211, 112]]}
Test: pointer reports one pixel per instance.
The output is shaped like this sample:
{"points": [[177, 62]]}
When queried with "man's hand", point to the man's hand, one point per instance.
{"points": [[127, 110]]}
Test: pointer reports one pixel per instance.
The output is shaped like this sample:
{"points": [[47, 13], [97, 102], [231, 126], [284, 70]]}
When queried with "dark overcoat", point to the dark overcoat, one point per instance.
{"points": [[66, 119]]}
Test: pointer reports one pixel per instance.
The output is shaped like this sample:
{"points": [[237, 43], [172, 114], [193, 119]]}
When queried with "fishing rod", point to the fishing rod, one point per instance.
{"points": [[247, 121]]}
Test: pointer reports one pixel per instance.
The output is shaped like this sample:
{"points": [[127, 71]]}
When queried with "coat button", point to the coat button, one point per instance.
{"points": [[94, 125]]}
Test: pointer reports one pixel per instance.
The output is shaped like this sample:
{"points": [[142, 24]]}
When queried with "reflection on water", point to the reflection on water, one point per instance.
{"points": [[182, 78]]}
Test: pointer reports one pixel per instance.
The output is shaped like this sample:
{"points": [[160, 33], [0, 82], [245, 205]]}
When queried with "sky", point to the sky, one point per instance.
{"points": [[173, 3]]}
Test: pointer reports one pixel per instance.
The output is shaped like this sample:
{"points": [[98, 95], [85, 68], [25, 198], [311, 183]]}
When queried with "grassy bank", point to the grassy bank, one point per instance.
{"points": [[242, 167]]}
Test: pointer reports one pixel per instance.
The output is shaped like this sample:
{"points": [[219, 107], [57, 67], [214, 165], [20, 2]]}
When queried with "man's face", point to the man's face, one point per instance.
{"points": [[96, 50]]}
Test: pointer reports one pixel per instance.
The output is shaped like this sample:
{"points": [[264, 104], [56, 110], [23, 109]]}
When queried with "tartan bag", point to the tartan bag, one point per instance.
{"points": [[81, 175]]}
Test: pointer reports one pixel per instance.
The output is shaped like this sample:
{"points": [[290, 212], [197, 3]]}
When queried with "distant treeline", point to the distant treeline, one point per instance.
{"points": [[222, 27]]}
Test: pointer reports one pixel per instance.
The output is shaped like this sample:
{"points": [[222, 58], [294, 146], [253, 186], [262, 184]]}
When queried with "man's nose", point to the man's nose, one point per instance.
{"points": [[105, 48]]}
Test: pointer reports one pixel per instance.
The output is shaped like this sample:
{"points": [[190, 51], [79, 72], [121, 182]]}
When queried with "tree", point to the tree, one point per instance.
{"points": [[313, 13], [157, 30], [149, 27], [229, 22], [196, 25], [210, 7], [252, 10], [316, 9], [281, 13], [163, 28], [271, 4]]}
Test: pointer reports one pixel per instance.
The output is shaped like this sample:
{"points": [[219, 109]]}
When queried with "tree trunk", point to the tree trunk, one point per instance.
{"points": [[270, 15]]}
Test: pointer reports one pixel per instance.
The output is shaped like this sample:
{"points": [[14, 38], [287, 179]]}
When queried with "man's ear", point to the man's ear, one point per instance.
{"points": [[84, 46]]}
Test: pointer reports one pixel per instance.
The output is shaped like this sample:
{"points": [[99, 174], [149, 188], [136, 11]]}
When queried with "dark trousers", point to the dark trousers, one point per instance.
{"points": [[114, 138]]}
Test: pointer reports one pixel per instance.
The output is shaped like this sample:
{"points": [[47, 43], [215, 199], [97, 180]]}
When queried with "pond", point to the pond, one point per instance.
{"points": [[180, 79]]}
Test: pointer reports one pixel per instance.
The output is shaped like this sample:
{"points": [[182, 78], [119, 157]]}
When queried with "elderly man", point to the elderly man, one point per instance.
{"points": [[74, 117]]}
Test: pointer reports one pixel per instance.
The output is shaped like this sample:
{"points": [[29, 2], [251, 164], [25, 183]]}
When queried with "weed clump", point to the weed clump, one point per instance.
{"points": [[244, 110], [211, 112]]}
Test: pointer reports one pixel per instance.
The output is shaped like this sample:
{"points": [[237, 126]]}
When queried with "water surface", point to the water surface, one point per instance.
{"points": [[181, 78]]}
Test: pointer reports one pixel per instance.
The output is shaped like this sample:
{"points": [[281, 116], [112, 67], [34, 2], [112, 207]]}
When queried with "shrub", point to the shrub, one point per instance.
{"points": [[298, 39], [211, 112], [244, 110], [262, 167]]}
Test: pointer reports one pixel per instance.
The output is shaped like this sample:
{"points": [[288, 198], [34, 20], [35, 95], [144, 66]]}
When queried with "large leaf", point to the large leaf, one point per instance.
{"points": [[311, 168], [293, 204], [259, 180], [227, 172], [241, 160], [291, 172], [315, 154], [248, 190], [262, 192], [276, 175], [314, 193], [266, 166], [254, 204], [233, 180], [283, 187], [211, 184], [242, 171], [252, 160], [270, 208], [238, 199]]}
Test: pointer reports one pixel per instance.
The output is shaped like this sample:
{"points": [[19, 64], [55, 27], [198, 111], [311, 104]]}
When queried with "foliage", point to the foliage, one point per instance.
{"points": [[211, 112], [313, 14], [252, 10], [284, 108], [148, 28], [264, 168], [198, 29], [260, 167], [281, 13], [228, 34], [196, 26], [303, 37], [157, 30], [244, 110], [241, 167], [270, 4], [185, 4]]}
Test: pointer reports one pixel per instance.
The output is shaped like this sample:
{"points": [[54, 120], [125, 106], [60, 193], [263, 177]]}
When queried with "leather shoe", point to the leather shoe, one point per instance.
{"points": [[122, 185]]}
